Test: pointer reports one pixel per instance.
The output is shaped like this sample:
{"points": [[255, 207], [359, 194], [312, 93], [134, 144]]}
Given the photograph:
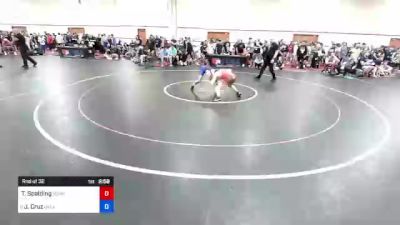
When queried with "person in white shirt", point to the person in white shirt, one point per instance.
{"points": [[42, 42], [104, 41], [250, 51], [295, 48], [211, 48], [355, 52], [59, 39]]}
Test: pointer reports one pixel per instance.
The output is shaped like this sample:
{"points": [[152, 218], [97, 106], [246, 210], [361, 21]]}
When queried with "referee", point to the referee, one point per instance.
{"points": [[269, 58], [24, 50]]}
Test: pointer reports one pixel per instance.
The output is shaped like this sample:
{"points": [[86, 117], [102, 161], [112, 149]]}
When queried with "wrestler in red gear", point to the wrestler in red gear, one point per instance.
{"points": [[224, 77]]}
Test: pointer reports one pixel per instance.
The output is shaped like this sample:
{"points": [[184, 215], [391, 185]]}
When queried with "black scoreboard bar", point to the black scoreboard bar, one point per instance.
{"points": [[64, 181]]}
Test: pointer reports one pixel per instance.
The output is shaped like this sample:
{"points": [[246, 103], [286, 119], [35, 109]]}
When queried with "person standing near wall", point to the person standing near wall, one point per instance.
{"points": [[250, 50], [203, 49], [24, 50], [227, 48], [258, 59], [219, 46], [49, 41], [240, 47], [104, 40], [138, 41], [59, 39], [189, 49], [158, 42], [343, 50]]}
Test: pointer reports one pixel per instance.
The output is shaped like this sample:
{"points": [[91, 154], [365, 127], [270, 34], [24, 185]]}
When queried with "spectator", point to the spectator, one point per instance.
{"points": [[282, 56], [138, 41], [349, 66], [250, 51], [211, 47], [203, 48], [163, 54], [68, 38], [227, 48], [367, 65], [240, 47], [384, 70], [396, 59], [104, 40], [174, 55], [50, 40], [142, 55], [343, 50], [158, 42], [331, 63], [8, 47], [258, 59], [302, 57], [98, 46], [219, 47], [151, 44], [164, 42], [290, 54], [355, 51], [60, 39], [189, 49], [317, 56]]}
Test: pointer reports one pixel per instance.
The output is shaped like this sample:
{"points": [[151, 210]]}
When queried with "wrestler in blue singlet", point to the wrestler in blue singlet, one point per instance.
{"points": [[203, 71]]}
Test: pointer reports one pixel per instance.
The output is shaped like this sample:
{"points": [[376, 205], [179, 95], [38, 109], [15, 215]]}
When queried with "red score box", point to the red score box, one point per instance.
{"points": [[106, 193]]}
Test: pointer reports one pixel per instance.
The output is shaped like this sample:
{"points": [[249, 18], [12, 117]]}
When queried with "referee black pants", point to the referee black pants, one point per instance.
{"points": [[267, 63], [25, 57]]}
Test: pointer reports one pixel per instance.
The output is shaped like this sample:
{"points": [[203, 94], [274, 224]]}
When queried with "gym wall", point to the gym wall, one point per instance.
{"points": [[120, 17], [370, 21]]}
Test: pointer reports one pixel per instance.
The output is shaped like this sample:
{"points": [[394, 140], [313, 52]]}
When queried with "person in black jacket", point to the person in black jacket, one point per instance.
{"points": [[350, 67], [188, 48], [151, 45], [302, 53], [269, 59], [24, 50], [219, 47]]}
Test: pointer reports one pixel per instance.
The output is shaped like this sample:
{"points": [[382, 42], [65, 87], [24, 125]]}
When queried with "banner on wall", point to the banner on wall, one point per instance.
{"points": [[308, 38], [19, 29], [394, 43]]}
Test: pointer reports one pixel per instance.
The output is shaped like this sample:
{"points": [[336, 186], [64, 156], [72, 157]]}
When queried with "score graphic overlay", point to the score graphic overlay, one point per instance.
{"points": [[65, 194]]}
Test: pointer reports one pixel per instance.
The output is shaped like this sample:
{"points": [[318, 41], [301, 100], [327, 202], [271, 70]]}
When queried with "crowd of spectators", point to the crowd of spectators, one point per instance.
{"points": [[338, 58], [37, 44], [358, 59]]}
